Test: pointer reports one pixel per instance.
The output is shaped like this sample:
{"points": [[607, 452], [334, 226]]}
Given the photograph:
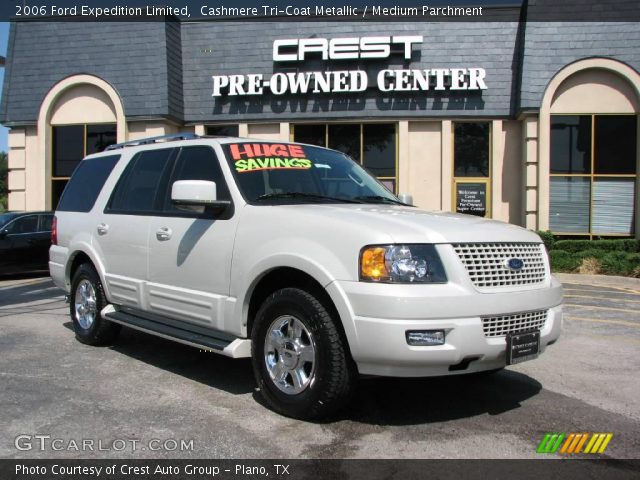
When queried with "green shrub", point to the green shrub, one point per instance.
{"points": [[548, 239], [621, 263], [562, 261], [576, 246]]}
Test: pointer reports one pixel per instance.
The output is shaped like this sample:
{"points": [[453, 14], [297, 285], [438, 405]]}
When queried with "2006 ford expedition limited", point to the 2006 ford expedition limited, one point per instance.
{"points": [[295, 256]]}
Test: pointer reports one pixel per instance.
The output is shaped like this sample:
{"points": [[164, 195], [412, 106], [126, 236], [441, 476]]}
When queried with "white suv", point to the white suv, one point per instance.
{"points": [[295, 256]]}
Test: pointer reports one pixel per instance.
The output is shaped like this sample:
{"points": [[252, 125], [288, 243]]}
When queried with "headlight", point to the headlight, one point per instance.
{"points": [[401, 264]]}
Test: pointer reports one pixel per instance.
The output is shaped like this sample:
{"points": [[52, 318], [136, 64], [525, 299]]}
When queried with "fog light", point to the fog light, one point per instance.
{"points": [[425, 337]]}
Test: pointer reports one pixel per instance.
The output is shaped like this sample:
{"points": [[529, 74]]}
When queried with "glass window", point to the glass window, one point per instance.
{"points": [[311, 134], [286, 173], [571, 144], [199, 163], [223, 130], [569, 204], [345, 138], [599, 200], [136, 189], [379, 148], [471, 149], [82, 190], [613, 205], [100, 137], [71, 143], [370, 144], [28, 224], [615, 144], [68, 149]]}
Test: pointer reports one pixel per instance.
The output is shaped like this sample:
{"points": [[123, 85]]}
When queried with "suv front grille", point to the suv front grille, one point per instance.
{"points": [[486, 263], [500, 326]]}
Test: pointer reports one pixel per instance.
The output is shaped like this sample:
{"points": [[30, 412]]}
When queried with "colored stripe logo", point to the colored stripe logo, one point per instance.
{"points": [[574, 443]]}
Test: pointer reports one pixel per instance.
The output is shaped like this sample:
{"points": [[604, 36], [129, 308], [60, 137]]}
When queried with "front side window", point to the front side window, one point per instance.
{"points": [[289, 173], [593, 174], [137, 188], [198, 163]]}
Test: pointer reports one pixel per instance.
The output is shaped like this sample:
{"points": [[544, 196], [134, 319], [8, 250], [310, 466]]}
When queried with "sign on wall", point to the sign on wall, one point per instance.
{"points": [[348, 81], [471, 198]]}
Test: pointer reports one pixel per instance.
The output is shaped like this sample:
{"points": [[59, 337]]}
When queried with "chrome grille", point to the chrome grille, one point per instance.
{"points": [[486, 263], [500, 326]]}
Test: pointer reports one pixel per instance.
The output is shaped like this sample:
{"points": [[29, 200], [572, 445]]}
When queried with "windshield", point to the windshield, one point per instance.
{"points": [[290, 173]]}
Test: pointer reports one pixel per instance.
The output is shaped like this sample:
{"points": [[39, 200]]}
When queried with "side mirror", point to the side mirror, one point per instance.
{"points": [[406, 198], [4, 233], [197, 195]]}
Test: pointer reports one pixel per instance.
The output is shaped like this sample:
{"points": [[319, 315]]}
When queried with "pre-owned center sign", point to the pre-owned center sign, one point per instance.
{"points": [[346, 81]]}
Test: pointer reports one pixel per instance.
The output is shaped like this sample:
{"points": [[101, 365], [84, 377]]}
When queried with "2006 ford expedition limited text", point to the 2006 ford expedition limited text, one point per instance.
{"points": [[295, 256]]}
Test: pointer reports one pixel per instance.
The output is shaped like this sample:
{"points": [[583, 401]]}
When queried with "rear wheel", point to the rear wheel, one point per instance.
{"points": [[86, 302], [300, 359]]}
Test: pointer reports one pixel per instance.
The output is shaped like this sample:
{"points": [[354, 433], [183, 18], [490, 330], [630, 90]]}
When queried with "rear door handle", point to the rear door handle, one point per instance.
{"points": [[103, 228], [163, 234]]}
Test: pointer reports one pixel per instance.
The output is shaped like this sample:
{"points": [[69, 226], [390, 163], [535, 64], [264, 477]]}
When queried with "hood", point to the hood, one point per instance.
{"points": [[412, 225]]}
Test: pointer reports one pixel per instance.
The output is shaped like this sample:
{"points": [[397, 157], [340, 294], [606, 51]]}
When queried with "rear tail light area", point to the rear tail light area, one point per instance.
{"points": [[54, 231]]}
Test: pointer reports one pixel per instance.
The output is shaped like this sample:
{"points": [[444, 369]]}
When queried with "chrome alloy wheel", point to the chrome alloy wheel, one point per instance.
{"points": [[85, 304], [290, 354]]}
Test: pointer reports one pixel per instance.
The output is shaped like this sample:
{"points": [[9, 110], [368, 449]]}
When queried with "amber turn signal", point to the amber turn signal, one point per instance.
{"points": [[372, 264]]}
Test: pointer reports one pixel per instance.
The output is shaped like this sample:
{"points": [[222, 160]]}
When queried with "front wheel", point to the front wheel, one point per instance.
{"points": [[86, 301], [300, 359]]}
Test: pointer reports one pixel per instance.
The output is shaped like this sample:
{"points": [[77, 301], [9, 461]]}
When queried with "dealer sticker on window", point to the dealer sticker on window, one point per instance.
{"points": [[251, 157]]}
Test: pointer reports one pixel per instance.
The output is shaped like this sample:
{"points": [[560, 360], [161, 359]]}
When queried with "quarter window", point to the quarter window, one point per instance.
{"points": [[85, 185]]}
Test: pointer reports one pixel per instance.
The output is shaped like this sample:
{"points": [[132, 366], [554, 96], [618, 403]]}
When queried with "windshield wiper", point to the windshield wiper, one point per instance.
{"points": [[310, 196], [379, 198]]}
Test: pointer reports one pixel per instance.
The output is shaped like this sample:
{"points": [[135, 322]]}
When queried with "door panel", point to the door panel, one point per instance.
{"points": [[189, 272], [121, 233], [190, 254], [124, 252]]}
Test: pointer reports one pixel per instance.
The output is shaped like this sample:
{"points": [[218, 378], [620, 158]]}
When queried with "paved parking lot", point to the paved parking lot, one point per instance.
{"points": [[145, 388]]}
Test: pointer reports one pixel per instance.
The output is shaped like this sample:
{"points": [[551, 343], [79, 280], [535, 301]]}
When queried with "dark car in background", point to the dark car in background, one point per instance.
{"points": [[25, 238]]}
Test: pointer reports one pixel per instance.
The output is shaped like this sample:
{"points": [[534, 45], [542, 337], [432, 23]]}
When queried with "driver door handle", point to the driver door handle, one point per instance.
{"points": [[163, 234], [103, 228]]}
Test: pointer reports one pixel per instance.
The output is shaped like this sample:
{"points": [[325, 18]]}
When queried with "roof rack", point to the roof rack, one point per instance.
{"points": [[146, 141]]}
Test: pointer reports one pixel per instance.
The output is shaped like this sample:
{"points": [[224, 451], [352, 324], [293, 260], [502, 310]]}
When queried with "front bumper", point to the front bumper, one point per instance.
{"points": [[376, 318]]}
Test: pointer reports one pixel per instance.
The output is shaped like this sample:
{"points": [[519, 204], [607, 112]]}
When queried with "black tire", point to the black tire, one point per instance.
{"points": [[331, 383], [100, 331]]}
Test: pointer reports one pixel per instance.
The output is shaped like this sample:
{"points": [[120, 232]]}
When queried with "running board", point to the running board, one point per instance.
{"points": [[236, 348]]}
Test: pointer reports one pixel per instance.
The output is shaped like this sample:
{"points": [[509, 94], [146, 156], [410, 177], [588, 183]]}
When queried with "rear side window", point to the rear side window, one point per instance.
{"points": [[22, 225], [87, 180], [137, 188]]}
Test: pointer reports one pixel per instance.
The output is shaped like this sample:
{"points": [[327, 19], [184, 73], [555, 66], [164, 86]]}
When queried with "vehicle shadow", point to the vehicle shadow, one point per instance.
{"points": [[410, 401], [377, 401], [230, 375]]}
